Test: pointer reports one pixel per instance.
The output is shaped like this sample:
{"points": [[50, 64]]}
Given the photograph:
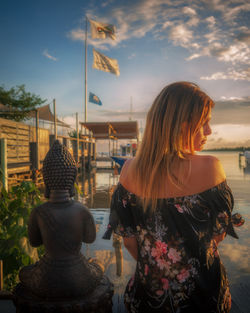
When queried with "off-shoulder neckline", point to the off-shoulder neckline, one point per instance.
{"points": [[224, 182]]}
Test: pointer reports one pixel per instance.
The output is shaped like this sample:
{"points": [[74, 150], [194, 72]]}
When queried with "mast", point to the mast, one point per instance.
{"points": [[131, 108], [85, 102]]}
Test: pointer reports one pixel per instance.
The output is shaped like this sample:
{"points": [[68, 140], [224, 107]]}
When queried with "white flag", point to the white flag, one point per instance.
{"points": [[103, 63], [100, 30]]}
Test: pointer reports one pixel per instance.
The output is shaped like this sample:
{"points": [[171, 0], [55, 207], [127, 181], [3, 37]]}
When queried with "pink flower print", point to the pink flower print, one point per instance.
{"points": [[124, 203], [159, 292], [184, 274], [174, 255], [179, 208], [165, 283], [146, 268], [161, 263], [161, 248]]}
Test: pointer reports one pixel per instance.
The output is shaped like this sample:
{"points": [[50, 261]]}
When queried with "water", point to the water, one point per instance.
{"points": [[119, 265]]}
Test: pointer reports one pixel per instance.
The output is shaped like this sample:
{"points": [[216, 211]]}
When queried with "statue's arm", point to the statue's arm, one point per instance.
{"points": [[89, 229], [34, 233]]}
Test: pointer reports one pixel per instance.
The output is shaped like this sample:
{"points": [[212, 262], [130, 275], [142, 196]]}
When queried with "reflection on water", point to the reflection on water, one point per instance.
{"points": [[97, 190]]}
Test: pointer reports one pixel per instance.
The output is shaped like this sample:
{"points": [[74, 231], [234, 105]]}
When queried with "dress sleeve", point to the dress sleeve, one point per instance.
{"points": [[121, 219], [223, 220]]}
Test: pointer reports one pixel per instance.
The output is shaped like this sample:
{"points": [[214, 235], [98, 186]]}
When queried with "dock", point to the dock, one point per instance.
{"points": [[240, 301]]}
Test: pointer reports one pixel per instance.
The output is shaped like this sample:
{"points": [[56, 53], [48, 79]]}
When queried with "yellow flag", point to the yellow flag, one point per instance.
{"points": [[103, 63]]}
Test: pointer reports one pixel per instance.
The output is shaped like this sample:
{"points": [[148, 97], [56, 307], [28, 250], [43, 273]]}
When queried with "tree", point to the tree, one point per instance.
{"points": [[18, 103]]}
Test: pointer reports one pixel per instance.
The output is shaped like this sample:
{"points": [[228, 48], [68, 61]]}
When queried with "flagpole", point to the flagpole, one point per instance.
{"points": [[85, 102]]}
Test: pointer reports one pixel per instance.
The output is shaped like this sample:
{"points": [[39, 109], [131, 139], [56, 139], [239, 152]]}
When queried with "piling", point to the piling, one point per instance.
{"points": [[3, 163], [1, 275]]}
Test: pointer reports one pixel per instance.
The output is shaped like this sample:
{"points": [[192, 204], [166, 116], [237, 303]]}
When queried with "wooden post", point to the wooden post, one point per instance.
{"points": [[117, 244], [85, 94], [51, 140], [37, 140], [77, 139], [55, 121], [37, 126], [94, 151], [1, 275], [3, 163], [83, 158], [89, 155], [65, 142], [33, 155]]}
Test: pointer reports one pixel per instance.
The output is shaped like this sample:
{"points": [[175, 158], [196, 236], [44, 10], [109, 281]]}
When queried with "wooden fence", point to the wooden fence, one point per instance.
{"points": [[22, 152]]}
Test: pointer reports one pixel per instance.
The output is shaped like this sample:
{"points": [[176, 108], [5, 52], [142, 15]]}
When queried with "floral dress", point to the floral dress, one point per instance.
{"points": [[178, 268]]}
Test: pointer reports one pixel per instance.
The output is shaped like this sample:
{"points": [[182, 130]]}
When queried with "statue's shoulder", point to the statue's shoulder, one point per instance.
{"points": [[40, 208], [81, 207]]}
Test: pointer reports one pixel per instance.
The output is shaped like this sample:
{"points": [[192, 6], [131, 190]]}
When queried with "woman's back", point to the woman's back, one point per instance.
{"points": [[198, 173]]}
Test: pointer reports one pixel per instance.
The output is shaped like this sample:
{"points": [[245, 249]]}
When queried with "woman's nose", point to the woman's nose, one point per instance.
{"points": [[207, 130]]}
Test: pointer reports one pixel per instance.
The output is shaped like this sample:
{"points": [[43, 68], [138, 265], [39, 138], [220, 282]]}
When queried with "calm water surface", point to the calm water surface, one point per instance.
{"points": [[118, 264]]}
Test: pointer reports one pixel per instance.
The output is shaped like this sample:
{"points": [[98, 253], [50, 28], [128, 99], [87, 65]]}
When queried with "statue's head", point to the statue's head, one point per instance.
{"points": [[59, 170]]}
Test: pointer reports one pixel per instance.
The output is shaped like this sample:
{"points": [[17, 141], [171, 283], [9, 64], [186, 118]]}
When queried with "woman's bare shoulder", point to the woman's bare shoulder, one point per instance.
{"points": [[126, 174], [209, 169]]}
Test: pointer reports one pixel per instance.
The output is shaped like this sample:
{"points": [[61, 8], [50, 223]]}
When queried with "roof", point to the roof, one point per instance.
{"points": [[117, 130], [44, 114]]}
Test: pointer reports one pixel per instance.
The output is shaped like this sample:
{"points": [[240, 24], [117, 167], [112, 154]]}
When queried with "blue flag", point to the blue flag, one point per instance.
{"points": [[94, 99]]}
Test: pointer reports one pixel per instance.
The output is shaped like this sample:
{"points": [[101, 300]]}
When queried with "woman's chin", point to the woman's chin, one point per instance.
{"points": [[199, 148]]}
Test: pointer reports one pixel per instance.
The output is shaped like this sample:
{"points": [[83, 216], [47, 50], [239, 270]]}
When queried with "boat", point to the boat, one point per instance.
{"points": [[244, 158], [120, 160], [247, 156]]}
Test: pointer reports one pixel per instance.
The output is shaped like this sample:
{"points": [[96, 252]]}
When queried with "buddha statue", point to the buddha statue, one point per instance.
{"points": [[61, 225]]}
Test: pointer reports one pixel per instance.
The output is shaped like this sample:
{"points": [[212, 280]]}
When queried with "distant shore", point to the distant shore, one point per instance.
{"points": [[240, 149]]}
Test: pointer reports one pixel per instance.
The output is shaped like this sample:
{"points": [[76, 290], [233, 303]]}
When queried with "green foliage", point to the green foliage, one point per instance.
{"points": [[19, 102], [15, 208], [77, 189], [73, 134]]}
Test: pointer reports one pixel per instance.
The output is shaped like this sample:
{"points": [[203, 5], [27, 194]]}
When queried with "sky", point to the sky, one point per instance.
{"points": [[158, 42]]}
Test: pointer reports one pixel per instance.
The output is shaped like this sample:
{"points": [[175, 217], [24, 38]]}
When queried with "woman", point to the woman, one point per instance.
{"points": [[173, 207]]}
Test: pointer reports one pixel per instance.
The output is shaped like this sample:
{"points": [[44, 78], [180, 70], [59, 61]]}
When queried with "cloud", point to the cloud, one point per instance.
{"points": [[223, 98], [232, 74], [106, 3], [228, 135], [193, 56], [127, 114], [211, 21], [244, 36], [131, 56], [47, 55], [222, 35], [235, 53], [181, 35], [230, 119], [189, 11], [231, 13]]}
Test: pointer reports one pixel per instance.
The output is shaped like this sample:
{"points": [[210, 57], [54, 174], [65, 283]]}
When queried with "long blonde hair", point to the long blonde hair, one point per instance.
{"points": [[172, 122]]}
